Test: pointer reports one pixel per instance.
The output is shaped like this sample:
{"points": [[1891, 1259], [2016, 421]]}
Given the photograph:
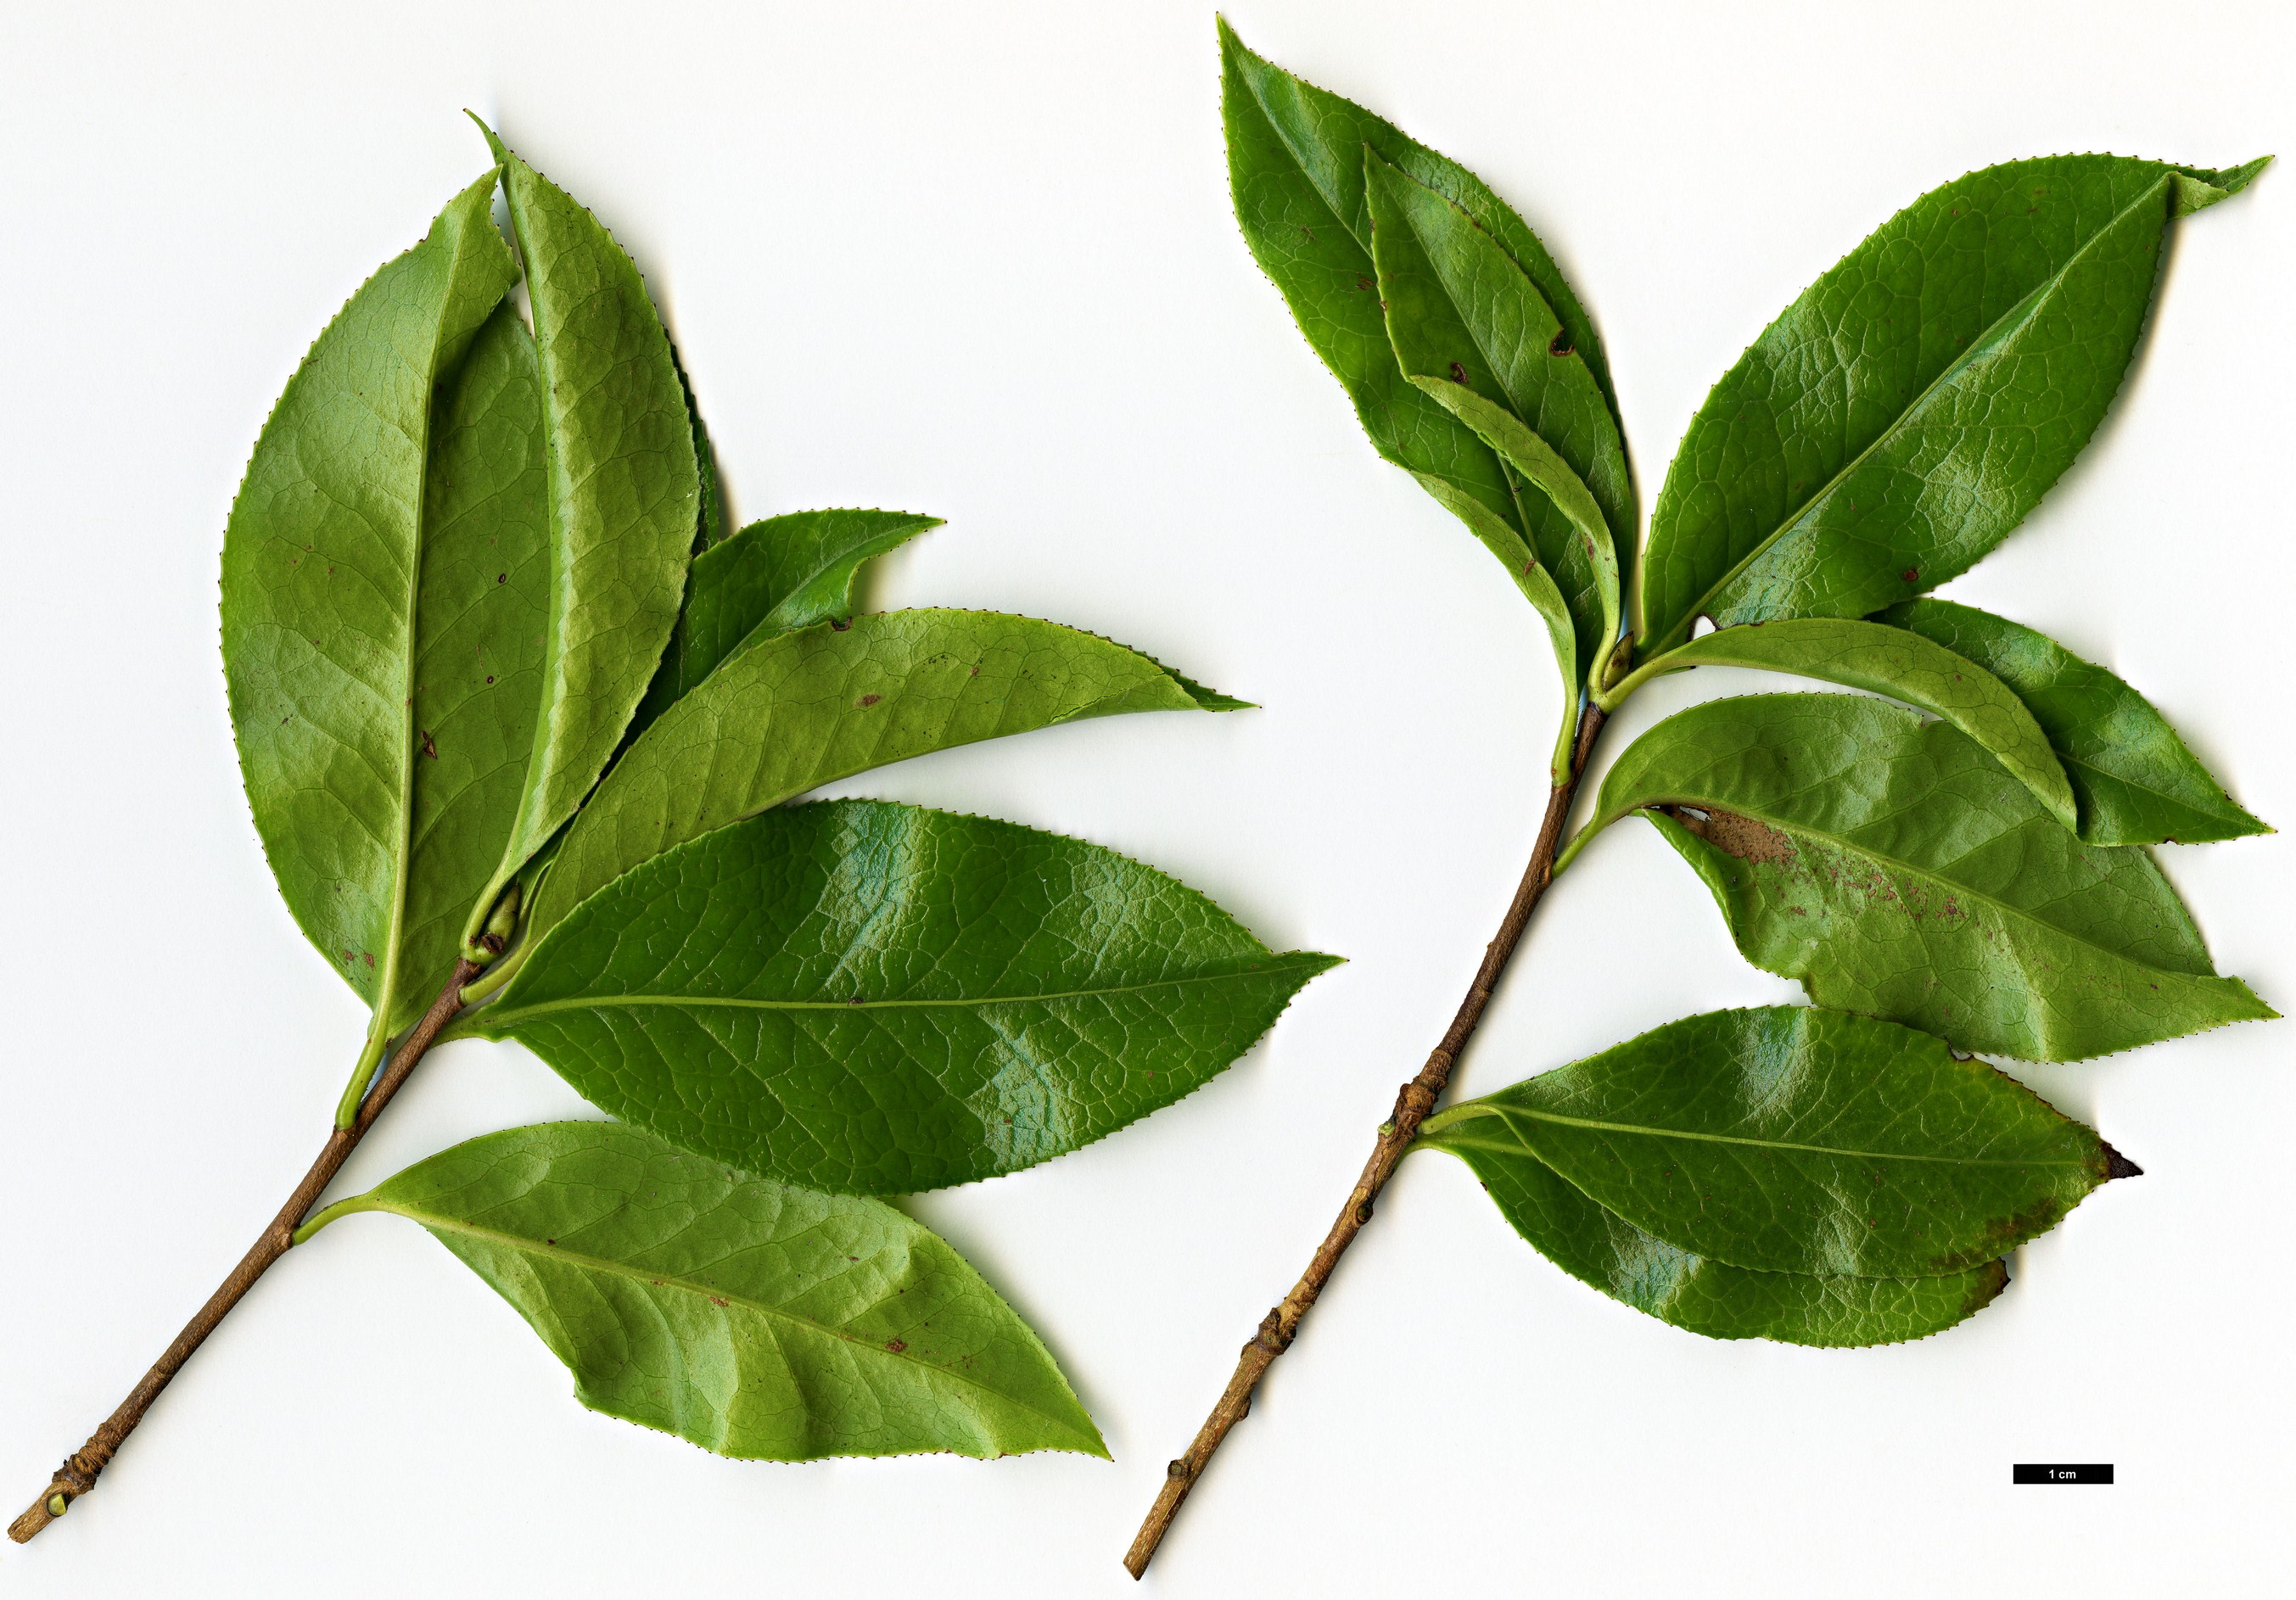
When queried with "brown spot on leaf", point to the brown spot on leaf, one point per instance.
{"points": [[1741, 836], [1560, 345], [2116, 1165], [1911, 575], [868, 700], [896, 1345], [502, 577], [1363, 283], [431, 745], [717, 1299], [838, 625], [1458, 373]]}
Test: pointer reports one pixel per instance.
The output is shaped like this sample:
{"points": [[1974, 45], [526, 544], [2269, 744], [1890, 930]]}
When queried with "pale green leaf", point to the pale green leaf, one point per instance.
{"points": [[793, 712], [625, 497], [773, 576], [322, 560], [755, 1319]]}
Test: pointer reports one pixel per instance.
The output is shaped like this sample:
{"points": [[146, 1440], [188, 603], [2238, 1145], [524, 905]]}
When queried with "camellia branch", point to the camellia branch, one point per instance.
{"points": [[1412, 1104], [78, 1473]]}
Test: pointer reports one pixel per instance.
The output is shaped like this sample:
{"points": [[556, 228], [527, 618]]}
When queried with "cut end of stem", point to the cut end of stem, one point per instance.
{"points": [[53, 1504]]}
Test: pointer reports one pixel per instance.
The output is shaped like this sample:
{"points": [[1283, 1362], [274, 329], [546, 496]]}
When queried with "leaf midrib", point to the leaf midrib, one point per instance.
{"points": [[1469, 1113], [706, 1291], [2022, 311], [402, 869], [511, 1016]]}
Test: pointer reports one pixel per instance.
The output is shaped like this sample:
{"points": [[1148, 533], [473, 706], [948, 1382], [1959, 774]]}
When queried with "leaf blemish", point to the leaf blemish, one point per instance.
{"points": [[1741, 836]]}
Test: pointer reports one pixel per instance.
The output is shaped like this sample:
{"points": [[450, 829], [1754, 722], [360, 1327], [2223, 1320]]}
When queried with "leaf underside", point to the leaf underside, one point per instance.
{"points": [[1896, 869], [624, 496], [752, 1318], [880, 998], [773, 576], [1907, 412], [790, 713], [1906, 665], [2132, 777], [1781, 1172], [324, 557]]}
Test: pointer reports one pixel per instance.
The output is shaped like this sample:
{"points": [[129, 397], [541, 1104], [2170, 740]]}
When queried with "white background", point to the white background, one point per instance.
{"points": [[981, 262]]}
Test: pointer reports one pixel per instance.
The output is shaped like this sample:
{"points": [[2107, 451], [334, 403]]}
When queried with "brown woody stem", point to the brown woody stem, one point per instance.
{"points": [[78, 1473], [1412, 1104]]}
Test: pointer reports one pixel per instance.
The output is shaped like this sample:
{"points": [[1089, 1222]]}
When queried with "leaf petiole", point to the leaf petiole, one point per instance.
{"points": [[1610, 699], [370, 1057]]}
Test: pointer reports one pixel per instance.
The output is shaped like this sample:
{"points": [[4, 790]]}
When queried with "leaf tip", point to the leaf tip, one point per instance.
{"points": [[2116, 1165], [501, 152]]}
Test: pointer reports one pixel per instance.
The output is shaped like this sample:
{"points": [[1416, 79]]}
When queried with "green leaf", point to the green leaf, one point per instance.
{"points": [[799, 711], [1284, 133], [1296, 159], [1896, 869], [322, 560], [480, 617], [754, 1319], [1789, 1140], [1906, 665], [1915, 403], [1697, 1293], [1463, 317], [877, 998], [2133, 778], [624, 497], [773, 576]]}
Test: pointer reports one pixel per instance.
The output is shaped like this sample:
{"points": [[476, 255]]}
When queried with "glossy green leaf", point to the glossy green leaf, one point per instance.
{"points": [[1906, 665], [792, 713], [1705, 1296], [1895, 868], [876, 997], [322, 560], [755, 1319], [1296, 159], [773, 576], [1462, 316], [1908, 410], [2133, 778], [1791, 1140], [624, 496]]}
